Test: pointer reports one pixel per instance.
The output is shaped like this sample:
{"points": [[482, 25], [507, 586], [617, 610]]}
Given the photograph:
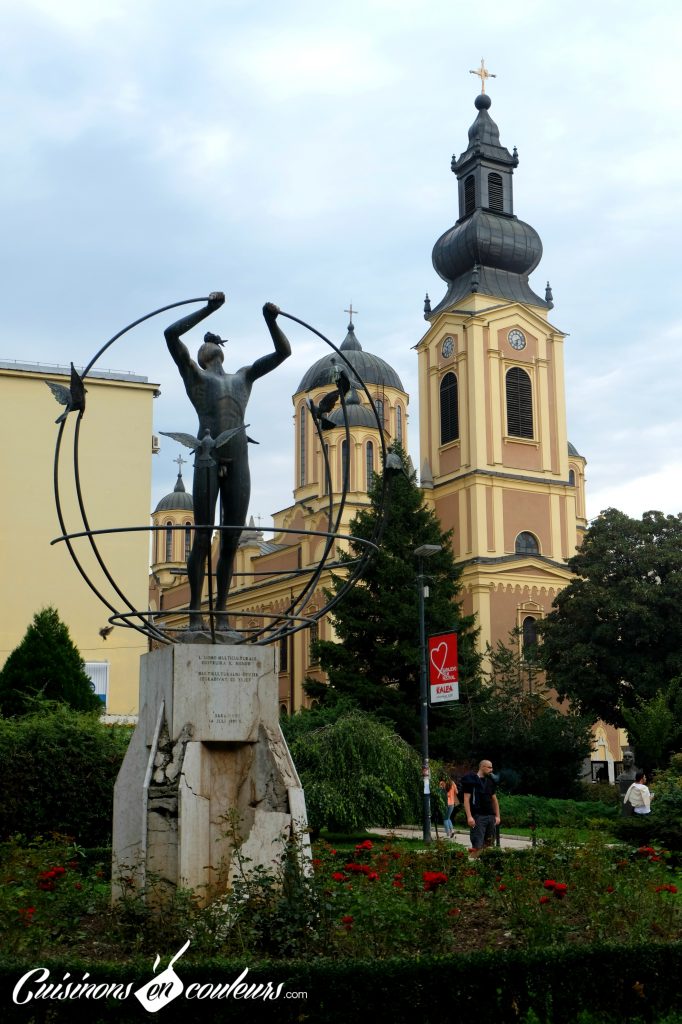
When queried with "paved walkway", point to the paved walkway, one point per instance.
{"points": [[459, 836]]}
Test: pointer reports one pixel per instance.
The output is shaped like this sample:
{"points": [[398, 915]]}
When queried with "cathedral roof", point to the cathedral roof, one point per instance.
{"points": [[488, 250], [359, 414], [370, 368], [177, 500]]}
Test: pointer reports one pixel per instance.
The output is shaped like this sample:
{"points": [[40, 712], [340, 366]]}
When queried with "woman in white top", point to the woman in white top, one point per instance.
{"points": [[638, 795]]}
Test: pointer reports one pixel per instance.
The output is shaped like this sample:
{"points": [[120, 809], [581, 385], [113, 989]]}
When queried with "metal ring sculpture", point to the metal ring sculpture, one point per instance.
{"points": [[275, 625]]}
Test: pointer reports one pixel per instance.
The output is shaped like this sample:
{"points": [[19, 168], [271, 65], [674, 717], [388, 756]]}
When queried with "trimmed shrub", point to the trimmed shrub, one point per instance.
{"points": [[57, 774], [522, 811], [638, 983]]}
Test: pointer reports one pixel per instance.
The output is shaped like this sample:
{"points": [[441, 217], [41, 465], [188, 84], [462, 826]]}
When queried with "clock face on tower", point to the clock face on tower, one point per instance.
{"points": [[517, 339], [448, 347]]}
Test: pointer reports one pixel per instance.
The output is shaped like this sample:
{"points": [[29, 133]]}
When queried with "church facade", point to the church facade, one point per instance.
{"points": [[496, 463]]}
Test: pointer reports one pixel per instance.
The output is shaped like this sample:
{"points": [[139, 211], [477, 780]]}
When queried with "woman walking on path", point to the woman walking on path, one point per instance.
{"points": [[451, 801]]}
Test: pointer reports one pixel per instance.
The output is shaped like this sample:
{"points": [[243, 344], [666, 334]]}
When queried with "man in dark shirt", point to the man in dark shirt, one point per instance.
{"points": [[481, 807]]}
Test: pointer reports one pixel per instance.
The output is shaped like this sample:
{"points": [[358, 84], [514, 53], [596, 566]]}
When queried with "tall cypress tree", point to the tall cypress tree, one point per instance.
{"points": [[376, 660], [45, 664]]}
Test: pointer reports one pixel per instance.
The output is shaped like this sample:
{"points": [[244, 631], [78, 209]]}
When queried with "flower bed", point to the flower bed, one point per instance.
{"points": [[378, 901]]}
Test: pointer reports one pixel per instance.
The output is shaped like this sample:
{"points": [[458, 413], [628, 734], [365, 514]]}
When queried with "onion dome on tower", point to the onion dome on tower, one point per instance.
{"points": [[488, 250]]}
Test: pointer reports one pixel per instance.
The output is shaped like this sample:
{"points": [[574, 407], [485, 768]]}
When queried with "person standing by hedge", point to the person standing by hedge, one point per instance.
{"points": [[639, 795], [481, 807]]}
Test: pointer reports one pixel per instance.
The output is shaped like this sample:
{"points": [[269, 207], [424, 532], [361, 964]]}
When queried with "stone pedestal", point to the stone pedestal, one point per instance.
{"points": [[207, 768]]}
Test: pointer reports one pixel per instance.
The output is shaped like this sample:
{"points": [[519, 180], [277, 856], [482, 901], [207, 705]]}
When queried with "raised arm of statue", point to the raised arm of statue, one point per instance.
{"points": [[282, 347], [177, 348]]}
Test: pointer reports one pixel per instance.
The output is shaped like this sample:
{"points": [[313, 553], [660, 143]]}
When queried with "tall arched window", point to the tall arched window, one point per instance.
{"points": [[469, 195], [527, 544], [169, 542], [571, 477], [301, 447], [399, 424], [380, 410], [495, 192], [369, 463], [188, 539], [519, 403], [345, 468], [325, 468], [449, 409], [530, 635]]}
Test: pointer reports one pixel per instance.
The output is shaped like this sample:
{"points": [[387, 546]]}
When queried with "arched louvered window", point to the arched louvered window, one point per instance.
{"points": [[380, 410], [449, 409], [571, 477], [188, 539], [169, 542], [301, 447], [526, 544], [519, 403], [345, 468], [495, 192], [469, 195], [369, 463], [399, 424]]}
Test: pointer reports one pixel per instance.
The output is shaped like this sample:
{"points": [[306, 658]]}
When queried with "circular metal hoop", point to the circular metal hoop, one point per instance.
{"points": [[155, 625]]}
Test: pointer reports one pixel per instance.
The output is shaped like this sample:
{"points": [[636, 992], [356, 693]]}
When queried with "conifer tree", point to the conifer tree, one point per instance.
{"points": [[377, 658], [46, 665]]}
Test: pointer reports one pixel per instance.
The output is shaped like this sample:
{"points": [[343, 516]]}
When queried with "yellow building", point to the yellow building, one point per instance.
{"points": [[115, 471]]}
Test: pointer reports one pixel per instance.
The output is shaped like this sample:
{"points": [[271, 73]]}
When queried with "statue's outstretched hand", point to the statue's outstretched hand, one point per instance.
{"points": [[270, 312], [215, 300]]}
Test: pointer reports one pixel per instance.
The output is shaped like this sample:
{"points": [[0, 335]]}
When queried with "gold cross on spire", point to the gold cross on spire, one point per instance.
{"points": [[351, 311], [482, 73]]}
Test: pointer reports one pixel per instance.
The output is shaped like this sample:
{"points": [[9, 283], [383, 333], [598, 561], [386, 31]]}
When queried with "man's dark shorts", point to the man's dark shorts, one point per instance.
{"points": [[482, 830]]}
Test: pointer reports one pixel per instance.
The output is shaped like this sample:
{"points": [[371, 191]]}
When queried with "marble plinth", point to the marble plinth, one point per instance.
{"points": [[207, 768]]}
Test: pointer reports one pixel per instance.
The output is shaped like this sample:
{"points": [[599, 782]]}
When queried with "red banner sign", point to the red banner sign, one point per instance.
{"points": [[443, 668]]}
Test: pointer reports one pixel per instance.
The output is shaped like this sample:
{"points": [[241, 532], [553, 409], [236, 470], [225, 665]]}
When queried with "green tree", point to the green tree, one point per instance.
{"points": [[536, 747], [655, 726], [46, 665], [614, 635], [356, 772], [376, 660]]}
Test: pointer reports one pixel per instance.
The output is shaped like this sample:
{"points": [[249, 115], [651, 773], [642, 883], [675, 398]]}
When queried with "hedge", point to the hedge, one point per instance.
{"points": [[57, 774], [559, 986]]}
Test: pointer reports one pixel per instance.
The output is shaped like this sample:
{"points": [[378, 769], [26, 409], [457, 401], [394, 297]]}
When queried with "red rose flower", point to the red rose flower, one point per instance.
{"points": [[549, 883], [339, 876], [544, 899], [432, 879]]}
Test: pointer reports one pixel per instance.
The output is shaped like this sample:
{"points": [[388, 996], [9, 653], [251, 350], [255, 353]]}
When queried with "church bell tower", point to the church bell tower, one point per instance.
{"points": [[496, 463]]}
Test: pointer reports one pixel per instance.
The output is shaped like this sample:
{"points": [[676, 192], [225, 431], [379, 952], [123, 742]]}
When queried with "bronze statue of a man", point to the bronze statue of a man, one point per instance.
{"points": [[220, 400]]}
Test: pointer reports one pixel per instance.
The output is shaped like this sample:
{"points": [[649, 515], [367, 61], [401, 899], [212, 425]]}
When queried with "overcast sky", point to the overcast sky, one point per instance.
{"points": [[299, 152]]}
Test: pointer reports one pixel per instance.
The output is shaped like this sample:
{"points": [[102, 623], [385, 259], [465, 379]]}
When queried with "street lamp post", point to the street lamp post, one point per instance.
{"points": [[422, 552]]}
